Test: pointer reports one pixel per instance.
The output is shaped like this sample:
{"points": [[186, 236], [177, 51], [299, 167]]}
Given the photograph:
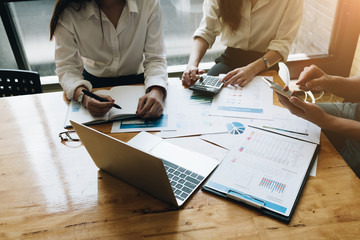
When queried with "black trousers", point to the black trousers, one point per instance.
{"points": [[98, 82], [234, 58]]}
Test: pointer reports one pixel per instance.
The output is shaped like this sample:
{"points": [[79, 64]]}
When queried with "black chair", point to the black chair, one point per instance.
{"points": [[19, 82]]}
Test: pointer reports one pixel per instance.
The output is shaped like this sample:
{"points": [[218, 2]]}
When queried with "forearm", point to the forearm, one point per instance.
{"points": [[344, 87], [343, 126], [259, 65], [198, 51]]}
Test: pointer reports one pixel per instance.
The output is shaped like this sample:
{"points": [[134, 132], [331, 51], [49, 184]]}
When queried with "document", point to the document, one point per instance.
{"points": [[125, 96], [195, 144], [265, 170], [235, 129], [165, 122], [254, 101], [191, 111], [288, 124]]}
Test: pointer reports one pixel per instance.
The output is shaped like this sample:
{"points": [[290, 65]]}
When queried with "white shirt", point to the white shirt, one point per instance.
{"points": [[269, 25], [134, 46]]}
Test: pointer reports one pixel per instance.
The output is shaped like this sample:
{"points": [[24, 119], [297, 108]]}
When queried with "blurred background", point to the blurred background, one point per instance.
{"points": [[180, 19]]}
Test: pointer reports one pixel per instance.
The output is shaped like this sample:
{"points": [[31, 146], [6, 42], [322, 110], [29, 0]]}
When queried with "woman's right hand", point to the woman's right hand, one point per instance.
{"points": [[97, 108], [189, 75]]}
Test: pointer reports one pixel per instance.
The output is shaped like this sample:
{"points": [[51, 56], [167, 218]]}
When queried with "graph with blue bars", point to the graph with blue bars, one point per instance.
{"points": [[272, 185], [235, 128]]}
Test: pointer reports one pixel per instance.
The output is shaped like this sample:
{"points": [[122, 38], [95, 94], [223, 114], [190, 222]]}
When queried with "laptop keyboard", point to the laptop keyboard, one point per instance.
{"points": [[183, 181], [210, 81]]}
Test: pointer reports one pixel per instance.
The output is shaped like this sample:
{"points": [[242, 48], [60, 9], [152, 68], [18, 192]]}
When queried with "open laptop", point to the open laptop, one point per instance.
{"points": [[208, 84], [163, 170]]}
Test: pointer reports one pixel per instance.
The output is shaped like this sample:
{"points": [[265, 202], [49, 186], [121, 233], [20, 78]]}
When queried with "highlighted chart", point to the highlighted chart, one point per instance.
{"points": [[272, 185], [235, 128]]}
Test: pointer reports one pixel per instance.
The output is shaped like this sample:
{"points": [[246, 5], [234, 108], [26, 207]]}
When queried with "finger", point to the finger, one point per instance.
{"points": [[145, 108], [299, 103], [235, 79], [141, 103], [107, 97], [308, 74], [186, 78], [97, 104], [245, 82], [228, 76], [292, 108], [286, 88]]}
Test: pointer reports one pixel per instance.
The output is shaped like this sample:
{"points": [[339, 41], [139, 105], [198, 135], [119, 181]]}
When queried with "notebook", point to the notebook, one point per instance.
{"points": [[208, 84], [125, 96], [149, 163], [265, 170]]}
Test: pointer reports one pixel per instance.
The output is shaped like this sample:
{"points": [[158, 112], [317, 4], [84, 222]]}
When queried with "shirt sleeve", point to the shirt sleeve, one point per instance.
{"points": [[68, 62], [210, 26], [288, 28], [155, 65]]}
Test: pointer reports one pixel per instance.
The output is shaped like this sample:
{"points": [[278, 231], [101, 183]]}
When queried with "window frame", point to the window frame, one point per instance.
{"points": [[338, 61]]}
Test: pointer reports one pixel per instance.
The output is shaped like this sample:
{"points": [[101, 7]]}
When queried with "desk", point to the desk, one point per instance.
{"points": [[50, 190]]}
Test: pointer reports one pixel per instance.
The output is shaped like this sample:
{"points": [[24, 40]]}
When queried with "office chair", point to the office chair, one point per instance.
{"points": [[19, 82]]}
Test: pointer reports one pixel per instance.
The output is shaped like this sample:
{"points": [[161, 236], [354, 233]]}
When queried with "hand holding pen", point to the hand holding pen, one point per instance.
{"points": [[100, 99]]}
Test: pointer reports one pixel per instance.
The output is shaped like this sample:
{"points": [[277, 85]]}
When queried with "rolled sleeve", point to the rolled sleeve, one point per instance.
{"points": [[155, 65], [210, 26], [288, 29], [68, 62]]}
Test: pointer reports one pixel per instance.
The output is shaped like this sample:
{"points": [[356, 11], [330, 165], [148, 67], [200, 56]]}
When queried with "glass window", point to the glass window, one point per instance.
{"points": [[32, 20], [180, 20], [7, 56], [315, 31]]}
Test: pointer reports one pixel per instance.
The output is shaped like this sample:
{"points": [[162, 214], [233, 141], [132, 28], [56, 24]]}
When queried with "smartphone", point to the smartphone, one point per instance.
{"points": [[277, 88]]}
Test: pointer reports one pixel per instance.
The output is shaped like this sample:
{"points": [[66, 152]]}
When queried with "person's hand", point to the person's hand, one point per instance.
{"points": [[151, 104], [189, 75], [313, 78], [239, 76], [308, 111], [97, 108]]}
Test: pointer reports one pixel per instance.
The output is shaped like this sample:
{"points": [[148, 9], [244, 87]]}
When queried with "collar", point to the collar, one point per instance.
{"points": [[259, 4], [92, 9]]}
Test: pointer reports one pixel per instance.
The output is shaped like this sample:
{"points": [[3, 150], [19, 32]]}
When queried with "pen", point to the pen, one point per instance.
{"points": [[284, 130], [92, 95]]}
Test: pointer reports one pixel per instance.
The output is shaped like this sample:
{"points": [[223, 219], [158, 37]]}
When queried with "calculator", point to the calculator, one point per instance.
{"points": [[208, 84]]}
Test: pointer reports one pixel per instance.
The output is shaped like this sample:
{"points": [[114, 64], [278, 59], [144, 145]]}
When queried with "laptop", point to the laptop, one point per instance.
{"points": [[149, 163], [208, 84]]}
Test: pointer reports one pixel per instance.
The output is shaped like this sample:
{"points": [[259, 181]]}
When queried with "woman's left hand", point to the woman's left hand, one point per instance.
{"points": [[239, 76], [151, 104]]}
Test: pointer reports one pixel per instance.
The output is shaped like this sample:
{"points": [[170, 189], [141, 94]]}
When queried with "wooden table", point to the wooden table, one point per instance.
{"points": [[53, 190]]}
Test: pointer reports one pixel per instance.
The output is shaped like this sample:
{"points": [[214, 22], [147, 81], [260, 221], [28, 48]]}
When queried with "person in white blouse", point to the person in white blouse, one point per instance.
{"points": [[102, 43], [257, 33]]}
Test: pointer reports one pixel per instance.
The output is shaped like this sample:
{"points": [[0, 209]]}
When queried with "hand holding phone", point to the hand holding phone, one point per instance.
{"points": [[277, 88]]}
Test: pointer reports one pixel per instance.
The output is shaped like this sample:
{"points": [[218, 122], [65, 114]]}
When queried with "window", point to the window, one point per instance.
{"points": [[327, 37], [7, 57]]}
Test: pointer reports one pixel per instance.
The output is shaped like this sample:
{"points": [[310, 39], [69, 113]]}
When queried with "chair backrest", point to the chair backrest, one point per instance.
{"points": [[19, 82]]}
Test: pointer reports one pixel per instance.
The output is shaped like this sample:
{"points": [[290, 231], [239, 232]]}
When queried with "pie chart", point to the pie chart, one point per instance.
{"points": [[235, 128]]}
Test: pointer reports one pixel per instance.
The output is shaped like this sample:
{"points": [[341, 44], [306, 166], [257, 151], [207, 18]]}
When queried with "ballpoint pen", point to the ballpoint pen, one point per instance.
{"points": [[101, 99]]}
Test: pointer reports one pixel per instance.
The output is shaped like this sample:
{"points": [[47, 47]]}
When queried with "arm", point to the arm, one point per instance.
{"points": [[69, 67], [313, 78], [243, 75], [204, 37], [197, 53], [315, 114], [278, 48], [155, 66]]}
